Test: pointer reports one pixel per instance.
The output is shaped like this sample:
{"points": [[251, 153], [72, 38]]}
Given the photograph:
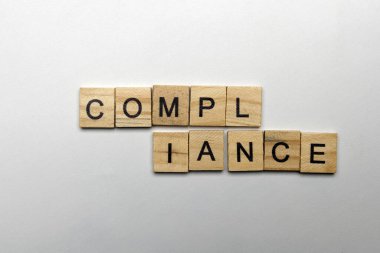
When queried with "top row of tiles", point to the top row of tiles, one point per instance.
{"points": [[171, 105]]}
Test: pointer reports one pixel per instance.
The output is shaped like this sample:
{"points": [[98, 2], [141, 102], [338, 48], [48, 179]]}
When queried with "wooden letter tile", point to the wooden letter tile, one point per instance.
{"points": [[243, 106], [208, 106], [171, 152], [170, 105], [206, 150], [318, 152], [245, 150], [133, 107], [282, 150], [97, 108]]}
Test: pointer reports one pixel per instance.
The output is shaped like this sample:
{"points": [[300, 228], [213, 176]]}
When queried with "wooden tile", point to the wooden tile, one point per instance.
{"points": [[170, 152], [208, 106], [97, 108], [170, 105], [243, 106], [206, 150], [282, 150], [245, 150], [133, 107], [318, 152]]}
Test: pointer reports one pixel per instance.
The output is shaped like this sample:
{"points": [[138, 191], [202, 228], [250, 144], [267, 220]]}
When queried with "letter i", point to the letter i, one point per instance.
{"points": [[169, 153]]}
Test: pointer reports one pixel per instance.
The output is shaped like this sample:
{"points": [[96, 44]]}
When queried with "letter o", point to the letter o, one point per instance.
{"points": [[138, 110]]}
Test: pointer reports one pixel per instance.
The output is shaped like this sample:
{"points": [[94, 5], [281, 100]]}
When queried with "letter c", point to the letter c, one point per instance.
{"points": [[274, 152], [88, 109]]}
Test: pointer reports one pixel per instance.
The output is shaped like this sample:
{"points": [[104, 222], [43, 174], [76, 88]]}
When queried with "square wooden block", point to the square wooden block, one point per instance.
{"points": [[245, 150], [97, 108], [243, 106], [206, 150], [171, 152], [208, 106], [170, 105], [133, 107], [282, 150], [318, 152]]}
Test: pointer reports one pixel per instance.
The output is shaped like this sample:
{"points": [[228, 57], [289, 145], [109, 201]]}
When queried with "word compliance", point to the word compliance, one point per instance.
{"points": [[232, 106]]}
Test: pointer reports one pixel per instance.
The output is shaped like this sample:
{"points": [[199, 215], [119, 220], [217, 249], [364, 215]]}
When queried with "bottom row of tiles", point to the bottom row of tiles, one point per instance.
{"points": [[248, 150]]}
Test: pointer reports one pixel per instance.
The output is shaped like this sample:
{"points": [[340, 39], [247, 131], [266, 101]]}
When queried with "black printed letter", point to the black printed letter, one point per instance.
{"points": [[88, 109], [201, 106], [209, 151], [138, 111], [312, 153], [238, 115], [173, 106], [169, 153], [241, 148], [274, 152]]}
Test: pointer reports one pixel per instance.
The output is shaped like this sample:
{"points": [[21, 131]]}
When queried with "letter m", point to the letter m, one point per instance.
{"points": [[173, 106]]}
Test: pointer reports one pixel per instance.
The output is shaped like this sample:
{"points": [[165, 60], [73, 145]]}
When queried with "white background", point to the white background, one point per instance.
{"points": [[63, 189]]}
